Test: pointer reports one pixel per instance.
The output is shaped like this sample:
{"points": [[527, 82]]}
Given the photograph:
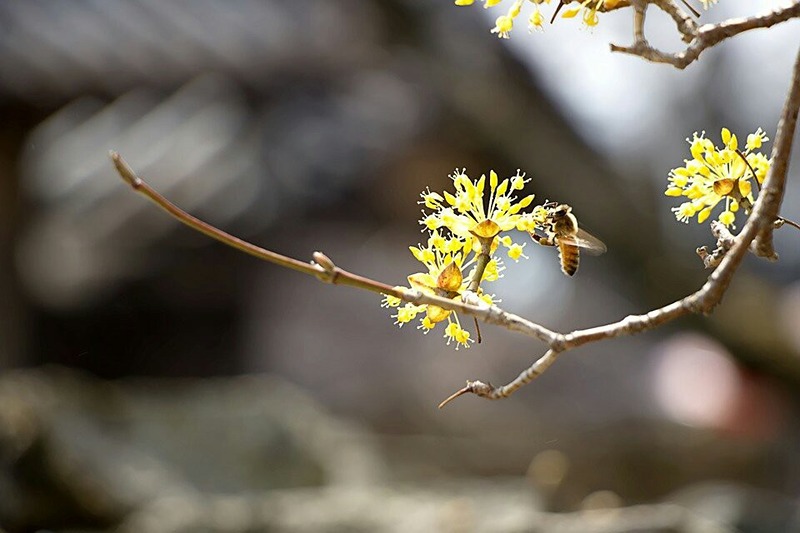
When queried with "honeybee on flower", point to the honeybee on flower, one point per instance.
{"points": [[466, 227]]}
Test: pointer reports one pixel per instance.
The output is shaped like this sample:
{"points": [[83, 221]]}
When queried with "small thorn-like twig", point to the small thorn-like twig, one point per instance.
{"points": [[561, 4], [465, 390], [725, 241], [780, 221], [695, 12]]}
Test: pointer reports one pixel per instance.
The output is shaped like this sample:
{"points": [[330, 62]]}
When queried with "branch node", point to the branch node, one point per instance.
{"points": [[560, 341], [329, 271], [472, 387]]}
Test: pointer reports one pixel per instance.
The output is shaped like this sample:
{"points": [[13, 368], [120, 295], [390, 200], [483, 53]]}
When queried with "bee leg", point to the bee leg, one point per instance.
{"points": [[544, 241]]}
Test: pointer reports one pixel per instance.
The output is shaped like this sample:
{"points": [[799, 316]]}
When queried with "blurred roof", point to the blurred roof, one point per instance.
{"points": [[52, 50]]}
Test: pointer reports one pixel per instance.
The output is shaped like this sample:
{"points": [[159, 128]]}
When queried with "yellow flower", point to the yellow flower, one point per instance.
{"points": [[455, 333], [466, 227], [716, 174], [469, 211], [444, 261], [536, 19], [515, 252], [504, 24], [755, 140], [589, 9]]}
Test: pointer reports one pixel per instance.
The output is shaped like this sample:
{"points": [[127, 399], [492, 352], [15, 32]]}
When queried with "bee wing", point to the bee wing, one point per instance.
{"points": [[586, 241]]}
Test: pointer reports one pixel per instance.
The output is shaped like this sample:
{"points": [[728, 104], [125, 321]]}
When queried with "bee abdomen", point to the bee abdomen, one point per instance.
{"points": [[570, 257]]}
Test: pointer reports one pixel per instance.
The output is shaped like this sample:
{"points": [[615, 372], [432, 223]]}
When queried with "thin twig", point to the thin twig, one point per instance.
{"points": [[325, 270], [639, 13], [482, 261], [783, 221], [686, 25], [695, 13]]}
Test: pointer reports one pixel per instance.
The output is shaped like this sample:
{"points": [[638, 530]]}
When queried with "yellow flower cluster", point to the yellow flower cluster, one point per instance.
{"points": [[462, 226], [716, 174], [505, 23], [444, 259], [588, 10], [465, 214]]}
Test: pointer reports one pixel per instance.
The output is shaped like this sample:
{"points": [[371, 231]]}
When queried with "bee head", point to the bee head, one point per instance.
{"points": [[560, 210]]}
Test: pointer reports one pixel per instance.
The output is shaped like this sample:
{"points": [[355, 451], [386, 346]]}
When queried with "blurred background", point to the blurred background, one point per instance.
{"points": [[154, 380]]}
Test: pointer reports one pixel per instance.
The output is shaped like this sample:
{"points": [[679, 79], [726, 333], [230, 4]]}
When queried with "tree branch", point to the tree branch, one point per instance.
{"points": [[761, 221], [759, 225], [325, 270], [771, 194], [704, 37], [686, 25]]}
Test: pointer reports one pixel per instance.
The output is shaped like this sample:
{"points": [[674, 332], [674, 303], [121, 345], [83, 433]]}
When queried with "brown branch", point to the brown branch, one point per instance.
{"points": [[781, 221], [686, 25], [725, 241], [325, 270], [704, 300], [639, 12], [773, 187], [706, 36], [760, 223]]}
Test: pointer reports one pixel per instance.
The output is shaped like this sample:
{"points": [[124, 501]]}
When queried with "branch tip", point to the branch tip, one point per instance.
{"points": [[459, 392], [124, 170], [485, 390]]}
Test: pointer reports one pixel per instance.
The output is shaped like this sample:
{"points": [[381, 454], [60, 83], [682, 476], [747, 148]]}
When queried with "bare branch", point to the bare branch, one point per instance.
{"points": [[639, 12], [325, 270], [686, 25], [725, 240], [771, 194], [486, 390], [761, 221], [706, 36], [781, 221], [760, 224], [140, 186]]}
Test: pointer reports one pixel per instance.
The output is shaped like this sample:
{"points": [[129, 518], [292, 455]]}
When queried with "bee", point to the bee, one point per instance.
{"points": [[563, 231]]}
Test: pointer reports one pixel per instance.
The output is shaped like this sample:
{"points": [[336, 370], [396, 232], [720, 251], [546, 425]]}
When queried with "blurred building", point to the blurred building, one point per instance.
{"points": [[313, 126]]}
